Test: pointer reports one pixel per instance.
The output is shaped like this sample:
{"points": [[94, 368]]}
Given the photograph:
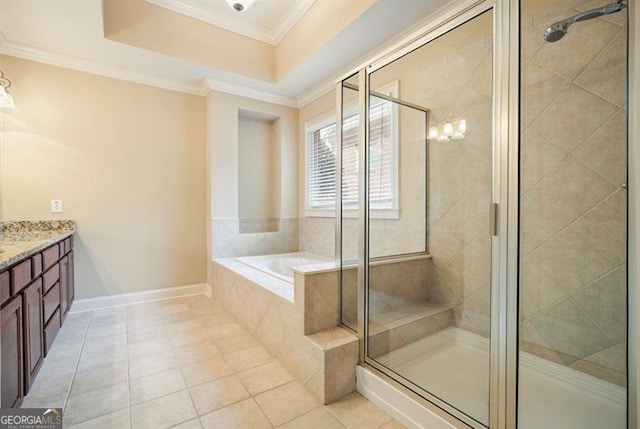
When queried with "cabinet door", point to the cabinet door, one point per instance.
{"points": [[64, 286], [11, 353], [33, 323], [71, 289]]}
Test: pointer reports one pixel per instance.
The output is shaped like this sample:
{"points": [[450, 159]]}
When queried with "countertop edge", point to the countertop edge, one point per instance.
{"points": [[32, 250]]}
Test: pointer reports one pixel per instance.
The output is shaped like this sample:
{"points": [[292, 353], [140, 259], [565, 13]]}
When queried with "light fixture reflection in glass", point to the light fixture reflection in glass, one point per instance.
{"points": [[462, 126], [6, 100], [241, 5], [449, 130]]}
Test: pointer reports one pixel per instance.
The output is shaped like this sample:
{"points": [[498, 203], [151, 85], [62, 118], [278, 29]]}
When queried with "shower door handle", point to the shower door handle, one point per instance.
{"points": [[493, 219]]}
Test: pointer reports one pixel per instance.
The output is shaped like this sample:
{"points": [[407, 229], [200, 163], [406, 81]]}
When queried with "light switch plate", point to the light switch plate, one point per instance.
{"points": [[56, 206]]}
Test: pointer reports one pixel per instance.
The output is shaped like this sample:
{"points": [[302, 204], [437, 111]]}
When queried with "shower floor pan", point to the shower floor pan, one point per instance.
{"points": [[453, 364]]}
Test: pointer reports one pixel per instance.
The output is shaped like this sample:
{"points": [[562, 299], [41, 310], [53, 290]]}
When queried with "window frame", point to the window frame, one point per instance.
{"points": [[328, 119]]}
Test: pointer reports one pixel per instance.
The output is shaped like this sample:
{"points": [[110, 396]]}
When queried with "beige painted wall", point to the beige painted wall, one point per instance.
{"points": [[128, 161], [258, 168]]}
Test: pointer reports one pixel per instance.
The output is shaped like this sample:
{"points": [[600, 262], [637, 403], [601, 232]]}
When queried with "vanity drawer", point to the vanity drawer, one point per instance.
{"points": [[20, 276], [37, 264], [50, 256], [5, 286], [51, 302], [51, 330], [51, 277]]}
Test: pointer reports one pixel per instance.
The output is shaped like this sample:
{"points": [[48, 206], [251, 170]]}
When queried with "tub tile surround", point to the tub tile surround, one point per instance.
{"points": [[228, 241], [109, 377], [573, 209], [301, 332]]}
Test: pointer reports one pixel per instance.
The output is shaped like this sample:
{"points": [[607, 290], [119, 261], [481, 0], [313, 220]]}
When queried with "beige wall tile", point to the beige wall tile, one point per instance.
{"points": [[538, 156], [571, 189], [605, 150], [605, 302], [609, 364], [568, 329], [605, 227], [539, 88], [320, 302], [602, 75], [581, 44], [277, 325], [567, 131], [538, 224], [340, 371]]}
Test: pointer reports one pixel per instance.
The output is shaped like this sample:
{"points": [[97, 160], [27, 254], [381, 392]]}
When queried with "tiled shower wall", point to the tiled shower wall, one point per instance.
{"points": [[573, 207], [460, 183]]}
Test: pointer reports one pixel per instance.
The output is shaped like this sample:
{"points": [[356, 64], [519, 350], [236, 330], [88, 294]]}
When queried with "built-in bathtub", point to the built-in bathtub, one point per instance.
{"points": [[283, 265], [296, 321]]}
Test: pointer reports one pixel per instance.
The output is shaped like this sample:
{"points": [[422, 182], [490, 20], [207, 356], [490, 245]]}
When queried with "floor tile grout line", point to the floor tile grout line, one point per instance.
{"points": [[75, 371], [74, 375]]}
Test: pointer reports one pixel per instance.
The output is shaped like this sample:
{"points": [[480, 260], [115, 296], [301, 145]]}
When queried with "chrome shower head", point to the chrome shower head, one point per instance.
{"points": [[557, 30]]}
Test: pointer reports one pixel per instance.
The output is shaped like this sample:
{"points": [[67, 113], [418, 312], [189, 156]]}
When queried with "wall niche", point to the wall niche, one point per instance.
{"points": [[259, 136]]}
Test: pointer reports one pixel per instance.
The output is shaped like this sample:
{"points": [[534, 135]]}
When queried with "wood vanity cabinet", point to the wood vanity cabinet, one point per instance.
{"points": [[33, 334], [35, 296], [11, 336]]}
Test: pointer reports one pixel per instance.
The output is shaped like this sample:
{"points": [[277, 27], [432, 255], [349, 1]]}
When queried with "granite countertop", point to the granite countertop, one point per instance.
{"points": [[21, 239]]}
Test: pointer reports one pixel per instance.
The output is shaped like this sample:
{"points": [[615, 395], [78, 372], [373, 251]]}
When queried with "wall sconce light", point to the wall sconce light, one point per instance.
{"points": [[6, 100], [241, 5], [448, 130]]}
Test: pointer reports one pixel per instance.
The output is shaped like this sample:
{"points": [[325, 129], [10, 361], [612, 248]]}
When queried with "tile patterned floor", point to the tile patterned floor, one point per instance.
{"points": [[180, 363]]}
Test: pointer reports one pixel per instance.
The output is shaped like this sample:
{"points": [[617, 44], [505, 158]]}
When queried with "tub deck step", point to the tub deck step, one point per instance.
{"points": [[395, 328]]}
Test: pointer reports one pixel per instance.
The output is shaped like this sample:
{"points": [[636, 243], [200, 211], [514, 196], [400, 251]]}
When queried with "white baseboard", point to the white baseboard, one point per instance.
{"points": [[398, 405], [101, 302]]}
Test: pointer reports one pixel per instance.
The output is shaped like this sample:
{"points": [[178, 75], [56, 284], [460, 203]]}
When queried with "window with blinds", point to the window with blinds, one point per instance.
{"points": [[321, 149]]}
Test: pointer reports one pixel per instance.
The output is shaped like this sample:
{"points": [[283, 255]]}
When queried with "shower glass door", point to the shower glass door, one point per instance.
{"points": [[429, 192], [573, 224]]}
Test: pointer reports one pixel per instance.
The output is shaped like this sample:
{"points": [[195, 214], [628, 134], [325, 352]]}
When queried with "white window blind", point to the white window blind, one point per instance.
{"points": [[322, 161]]}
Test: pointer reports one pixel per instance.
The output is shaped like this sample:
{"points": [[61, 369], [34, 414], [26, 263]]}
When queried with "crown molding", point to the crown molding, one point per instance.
{"points": [[316, 92], [27, 53], [270, 36], [293, 15], [202, 88], [242, 91]]}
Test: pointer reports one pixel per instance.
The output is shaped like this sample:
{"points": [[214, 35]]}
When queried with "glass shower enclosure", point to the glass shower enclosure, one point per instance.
{"points": [[484, 265]]}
